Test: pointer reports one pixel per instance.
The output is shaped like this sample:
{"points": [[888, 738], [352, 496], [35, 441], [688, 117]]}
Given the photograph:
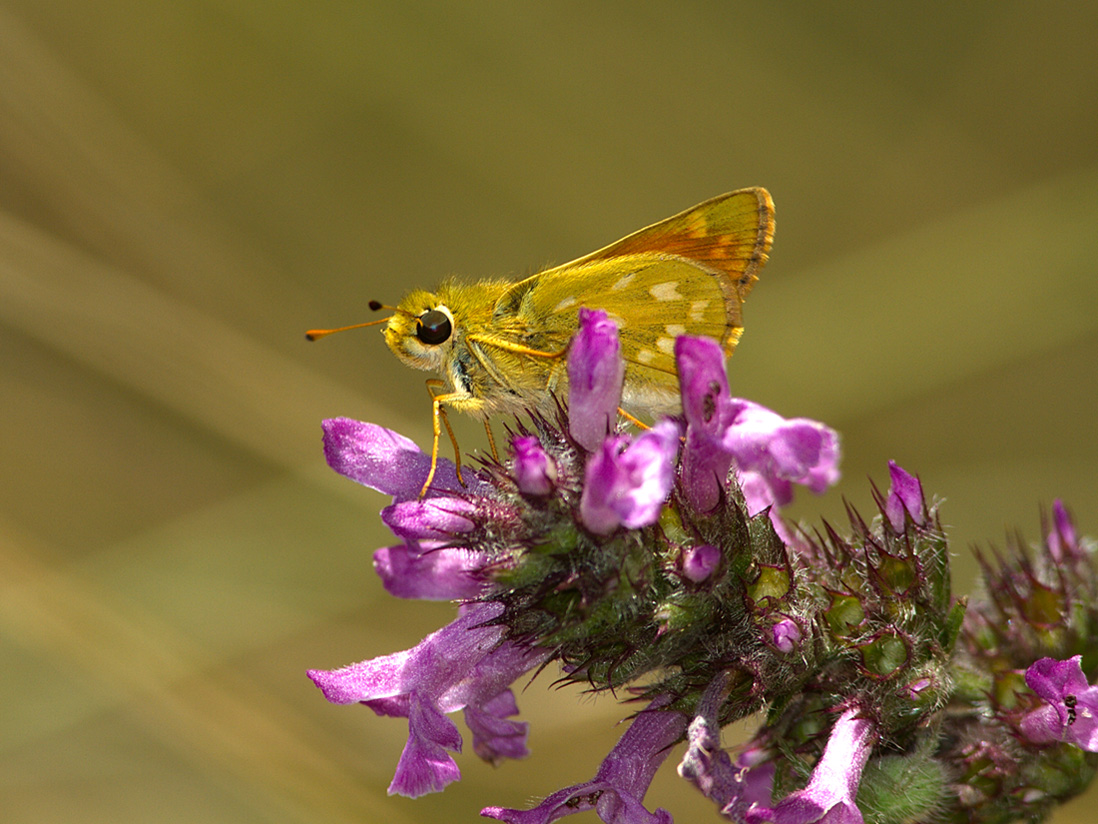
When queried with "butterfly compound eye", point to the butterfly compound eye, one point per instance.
{"points": [[434, 327]]}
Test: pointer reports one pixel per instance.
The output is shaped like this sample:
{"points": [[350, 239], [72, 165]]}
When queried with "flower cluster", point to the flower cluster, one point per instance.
{"points": [[658, 565]]}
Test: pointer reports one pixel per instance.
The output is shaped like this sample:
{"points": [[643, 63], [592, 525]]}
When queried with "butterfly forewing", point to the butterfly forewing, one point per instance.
{"points": [[688, 274], [730, 233]]}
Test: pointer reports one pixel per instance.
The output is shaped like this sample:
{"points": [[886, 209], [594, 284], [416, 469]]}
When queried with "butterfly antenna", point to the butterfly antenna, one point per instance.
{"points": [[376, 305], [316, 334]]}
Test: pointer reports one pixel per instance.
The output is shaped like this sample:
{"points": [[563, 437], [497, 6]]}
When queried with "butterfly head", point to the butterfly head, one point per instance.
{"points": [[421, 331]]}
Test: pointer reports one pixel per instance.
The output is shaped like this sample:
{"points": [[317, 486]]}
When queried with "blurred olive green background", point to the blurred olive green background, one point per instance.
{"points": [[186, 187]]}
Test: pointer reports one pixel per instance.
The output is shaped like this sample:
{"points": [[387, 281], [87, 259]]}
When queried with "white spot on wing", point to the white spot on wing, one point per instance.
{"points": [[666, 291], [564, 304], [623, 282]]}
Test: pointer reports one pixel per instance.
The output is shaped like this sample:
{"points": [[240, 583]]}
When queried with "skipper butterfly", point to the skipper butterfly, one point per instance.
{"points": [[500, 346]]}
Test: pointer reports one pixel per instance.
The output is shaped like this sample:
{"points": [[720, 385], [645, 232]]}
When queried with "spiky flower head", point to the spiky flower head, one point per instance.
{"points": [[657, 565]]}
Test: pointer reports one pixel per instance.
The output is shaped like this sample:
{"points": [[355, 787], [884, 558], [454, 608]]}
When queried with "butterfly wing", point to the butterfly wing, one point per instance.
{"points": [[688, 274], [729, 234]]}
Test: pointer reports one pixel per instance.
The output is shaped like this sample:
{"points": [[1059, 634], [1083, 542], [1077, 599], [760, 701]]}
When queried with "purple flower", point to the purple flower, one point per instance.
{"points": [[627, 483], [828, 798], [905, 498], [1063, 543], [755, 774], [387, 461], [595, 376], [1071, 711], [786, 635], [735, 788], [698, 562], [617, 791], [494, 737], [439, 575], [707, 408], [772, 453], [390, 463], [534, 471], [436, 519], [465, 665]]}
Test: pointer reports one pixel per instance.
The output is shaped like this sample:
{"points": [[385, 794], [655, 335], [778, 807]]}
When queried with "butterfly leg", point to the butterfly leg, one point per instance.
{"points": [[637, 423], [491, 439], [438, 412], [511, 346]]}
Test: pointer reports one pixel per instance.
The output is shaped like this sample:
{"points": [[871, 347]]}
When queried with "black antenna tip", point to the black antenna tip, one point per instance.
{"points": [[374, 305]]}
